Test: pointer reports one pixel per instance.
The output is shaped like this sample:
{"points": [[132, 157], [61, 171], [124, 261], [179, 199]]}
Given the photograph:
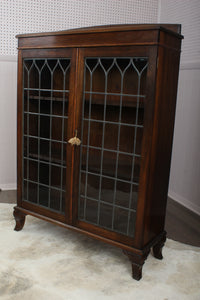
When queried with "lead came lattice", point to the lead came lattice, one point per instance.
{"points": [[111, 208], [45, 106]]}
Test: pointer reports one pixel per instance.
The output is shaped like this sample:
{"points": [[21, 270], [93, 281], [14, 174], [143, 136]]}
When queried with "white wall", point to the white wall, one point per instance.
{"points": [[22, 16], [185, 169], [184, 184], [8, 92]]}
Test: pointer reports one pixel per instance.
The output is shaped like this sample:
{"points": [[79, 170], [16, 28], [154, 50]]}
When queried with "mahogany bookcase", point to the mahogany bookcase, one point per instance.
{"points": [[96, 110]]}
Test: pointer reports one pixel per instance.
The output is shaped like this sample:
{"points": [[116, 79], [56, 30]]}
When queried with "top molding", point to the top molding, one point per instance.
{"points": [[174, 29], [165, 35]]}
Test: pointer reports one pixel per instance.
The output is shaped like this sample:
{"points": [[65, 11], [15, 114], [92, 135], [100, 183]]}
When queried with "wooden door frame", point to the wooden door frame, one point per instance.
{"points": [[44, 53], [144, 51]]}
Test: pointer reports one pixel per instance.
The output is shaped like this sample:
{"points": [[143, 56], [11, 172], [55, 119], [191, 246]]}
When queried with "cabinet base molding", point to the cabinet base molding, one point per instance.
{"points": [[136, 256]]}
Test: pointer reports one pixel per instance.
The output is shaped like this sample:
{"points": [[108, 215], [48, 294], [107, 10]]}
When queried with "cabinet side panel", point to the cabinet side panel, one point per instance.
{"points": [[146, 148], [19, 129], [164, 115]]}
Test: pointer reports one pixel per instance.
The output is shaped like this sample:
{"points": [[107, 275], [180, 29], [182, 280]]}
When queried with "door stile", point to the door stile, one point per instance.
{"points": [[73, 151], [77, 126], [146, 148], [19, 127], [70, 132]]}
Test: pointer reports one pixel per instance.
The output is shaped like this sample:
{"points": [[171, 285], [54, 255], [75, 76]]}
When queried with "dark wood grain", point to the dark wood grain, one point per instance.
{"points": [[157, 247], [181, 224], [164, 113], [137, 262], [90, 40], [160, 46], [78, 100], [146, 151], [70, 134], [19, 218], [19, 127], [175, 28]]}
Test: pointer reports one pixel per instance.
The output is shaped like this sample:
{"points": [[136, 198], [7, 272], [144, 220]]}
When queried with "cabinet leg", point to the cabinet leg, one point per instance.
{"points": [[19, 219], [157, 248], [137, 262]]}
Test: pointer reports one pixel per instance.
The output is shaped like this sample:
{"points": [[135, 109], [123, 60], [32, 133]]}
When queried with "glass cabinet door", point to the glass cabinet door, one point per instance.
{"points": [[112, 131], [45, 123]]}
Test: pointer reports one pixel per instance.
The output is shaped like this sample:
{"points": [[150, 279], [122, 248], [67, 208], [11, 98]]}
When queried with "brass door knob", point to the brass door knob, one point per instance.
{"points": [[75, 141]]}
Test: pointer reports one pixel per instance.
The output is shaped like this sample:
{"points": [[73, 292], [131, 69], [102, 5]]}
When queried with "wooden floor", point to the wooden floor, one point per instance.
{"points": [[181, 224]]}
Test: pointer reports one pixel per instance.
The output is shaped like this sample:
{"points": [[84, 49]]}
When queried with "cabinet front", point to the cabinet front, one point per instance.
{"points": [[46, 96], [112, 127]]}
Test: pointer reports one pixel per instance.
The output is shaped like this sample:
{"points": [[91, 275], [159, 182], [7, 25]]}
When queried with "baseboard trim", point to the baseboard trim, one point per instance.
{"points": [[184, 202], [7, 187]]}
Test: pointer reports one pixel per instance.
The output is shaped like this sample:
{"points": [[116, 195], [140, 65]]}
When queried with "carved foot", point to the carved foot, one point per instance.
{"points": [[19, 218], [137, 262], [157, 248]]}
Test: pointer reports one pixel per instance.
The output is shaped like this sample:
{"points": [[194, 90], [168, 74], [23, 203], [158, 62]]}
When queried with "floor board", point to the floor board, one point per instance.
{"points": [[181, 224]]}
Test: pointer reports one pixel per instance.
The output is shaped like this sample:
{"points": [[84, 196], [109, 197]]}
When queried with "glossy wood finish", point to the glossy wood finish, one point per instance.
{"points": [[137, 262], [19, 218], [174, 28], [99, 36], [164, 112], [19, 128], [110, 142], [160, 46], [157, 248], [56, 130], [181, 224]]}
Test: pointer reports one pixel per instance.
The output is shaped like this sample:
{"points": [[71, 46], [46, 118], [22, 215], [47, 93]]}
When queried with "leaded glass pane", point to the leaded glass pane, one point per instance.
{"points": [[45, 116], [112, 130]]}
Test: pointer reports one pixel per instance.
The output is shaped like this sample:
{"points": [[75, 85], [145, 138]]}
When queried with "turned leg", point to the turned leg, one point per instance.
{"points": [[19, 219], [137, 261], [157, 248]]}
